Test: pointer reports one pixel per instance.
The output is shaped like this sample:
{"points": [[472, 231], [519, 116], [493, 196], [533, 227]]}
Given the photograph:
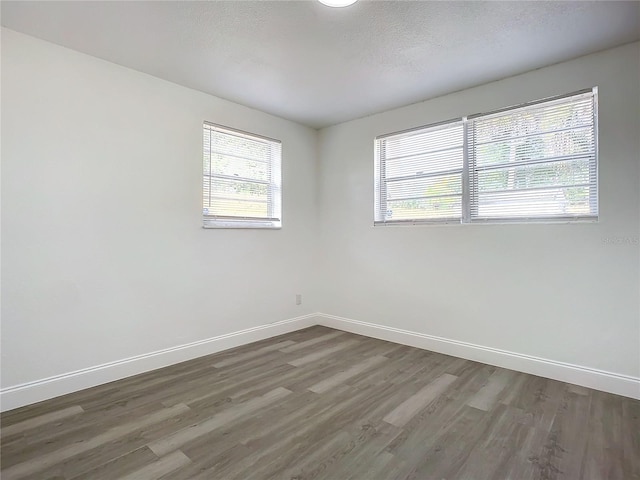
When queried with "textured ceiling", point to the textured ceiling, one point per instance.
{"points": [[320, 66]]}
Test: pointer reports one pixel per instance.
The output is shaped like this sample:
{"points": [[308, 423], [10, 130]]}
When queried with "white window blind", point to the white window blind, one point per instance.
{"points": [[419, 174], [527, 163], [241, 179], [538, 161]]}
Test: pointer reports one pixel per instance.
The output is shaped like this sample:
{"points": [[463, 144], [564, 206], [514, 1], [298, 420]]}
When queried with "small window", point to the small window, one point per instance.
{"points": [[535, 162], [419, 175], [241, 179]]}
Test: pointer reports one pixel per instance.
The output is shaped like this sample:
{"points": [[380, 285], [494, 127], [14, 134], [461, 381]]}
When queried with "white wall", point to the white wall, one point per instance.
{"points": [[103, 254], [560, 292]]}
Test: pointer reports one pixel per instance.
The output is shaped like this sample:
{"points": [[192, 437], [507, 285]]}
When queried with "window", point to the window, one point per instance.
{"points": [[529, 163], [241, 179], [420, 174]]}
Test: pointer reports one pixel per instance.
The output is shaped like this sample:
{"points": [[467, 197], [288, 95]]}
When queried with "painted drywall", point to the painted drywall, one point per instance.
{"points": [[103, 254], [564, 292]]}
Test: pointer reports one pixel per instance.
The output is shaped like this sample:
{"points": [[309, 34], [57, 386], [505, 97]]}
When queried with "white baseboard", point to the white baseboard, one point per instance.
{"points": [[36, 391], [587, 377]]}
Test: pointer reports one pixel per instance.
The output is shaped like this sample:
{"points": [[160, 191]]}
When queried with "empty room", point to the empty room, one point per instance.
{"points": [[320, 239]]}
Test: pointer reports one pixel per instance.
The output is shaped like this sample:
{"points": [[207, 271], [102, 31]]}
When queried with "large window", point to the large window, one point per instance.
{"points": [[536, 162], [241, 179]]}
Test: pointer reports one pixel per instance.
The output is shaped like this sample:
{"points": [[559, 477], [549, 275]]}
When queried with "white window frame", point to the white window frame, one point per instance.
{"points": [[273, 220], [469, 213]]}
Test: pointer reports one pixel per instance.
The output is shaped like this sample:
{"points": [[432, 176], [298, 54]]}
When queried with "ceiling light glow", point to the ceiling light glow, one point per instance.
{"points": [[337, 3]]}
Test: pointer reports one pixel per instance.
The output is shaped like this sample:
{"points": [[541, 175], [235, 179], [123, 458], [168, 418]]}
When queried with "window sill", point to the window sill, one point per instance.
{"points": [[502, 221], [242, 225]]}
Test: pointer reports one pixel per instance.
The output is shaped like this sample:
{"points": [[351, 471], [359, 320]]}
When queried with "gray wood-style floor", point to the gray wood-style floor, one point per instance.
{"points": [[324, 404]]}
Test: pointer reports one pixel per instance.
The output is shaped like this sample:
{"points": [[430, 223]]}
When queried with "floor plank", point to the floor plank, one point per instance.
{"points": [[340, 377], [168, 464], [407, 409], [42, 420], [325, 352]]}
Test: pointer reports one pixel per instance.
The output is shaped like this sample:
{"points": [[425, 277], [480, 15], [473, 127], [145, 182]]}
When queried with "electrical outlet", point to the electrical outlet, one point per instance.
{"points": [[298, 299]]}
